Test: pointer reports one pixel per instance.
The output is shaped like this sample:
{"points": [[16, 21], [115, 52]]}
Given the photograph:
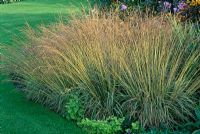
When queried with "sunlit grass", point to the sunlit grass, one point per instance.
{"points": [[144, 67]]}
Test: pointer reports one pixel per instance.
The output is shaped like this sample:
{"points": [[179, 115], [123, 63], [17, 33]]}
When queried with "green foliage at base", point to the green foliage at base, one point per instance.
{"points": [[111, 125], [74, 108], [115, 125]]}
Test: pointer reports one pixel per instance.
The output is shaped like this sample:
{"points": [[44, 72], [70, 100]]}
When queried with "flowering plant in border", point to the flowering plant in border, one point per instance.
{"points": [[189, 10], [131, 5], [185, 10]]}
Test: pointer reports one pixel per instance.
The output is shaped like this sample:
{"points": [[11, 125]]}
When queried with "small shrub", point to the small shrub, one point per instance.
{"points": [[111, 125], [74, 108]]}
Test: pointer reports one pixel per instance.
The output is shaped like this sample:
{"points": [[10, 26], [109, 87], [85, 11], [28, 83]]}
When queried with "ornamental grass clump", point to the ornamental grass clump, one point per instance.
{"points": [[144, 67]]}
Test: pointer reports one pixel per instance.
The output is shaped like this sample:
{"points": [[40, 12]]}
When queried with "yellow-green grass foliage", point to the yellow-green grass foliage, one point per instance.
{"points": [[143, 67]]}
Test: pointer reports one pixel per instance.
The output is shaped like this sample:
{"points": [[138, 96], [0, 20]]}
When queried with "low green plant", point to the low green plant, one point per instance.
{"points": [[74, 108], [111, 125], [135, 128]]}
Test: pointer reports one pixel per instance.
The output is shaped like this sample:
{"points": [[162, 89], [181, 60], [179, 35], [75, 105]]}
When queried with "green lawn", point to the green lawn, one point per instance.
{"points": [[18, 115], [13, 17]]}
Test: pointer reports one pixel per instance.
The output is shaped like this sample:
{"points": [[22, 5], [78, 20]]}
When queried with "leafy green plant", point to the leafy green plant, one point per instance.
{"points": [[74, 108], [111, 125], [135, 128]]}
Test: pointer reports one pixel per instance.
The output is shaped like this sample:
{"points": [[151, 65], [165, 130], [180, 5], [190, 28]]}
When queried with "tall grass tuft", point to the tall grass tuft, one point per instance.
{"points": [[143, 67]]}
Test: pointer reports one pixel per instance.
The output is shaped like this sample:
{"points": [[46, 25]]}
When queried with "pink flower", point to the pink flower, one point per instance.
{"points": [[123, 7], [175, 10], [182, 5], [167, 5]]}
